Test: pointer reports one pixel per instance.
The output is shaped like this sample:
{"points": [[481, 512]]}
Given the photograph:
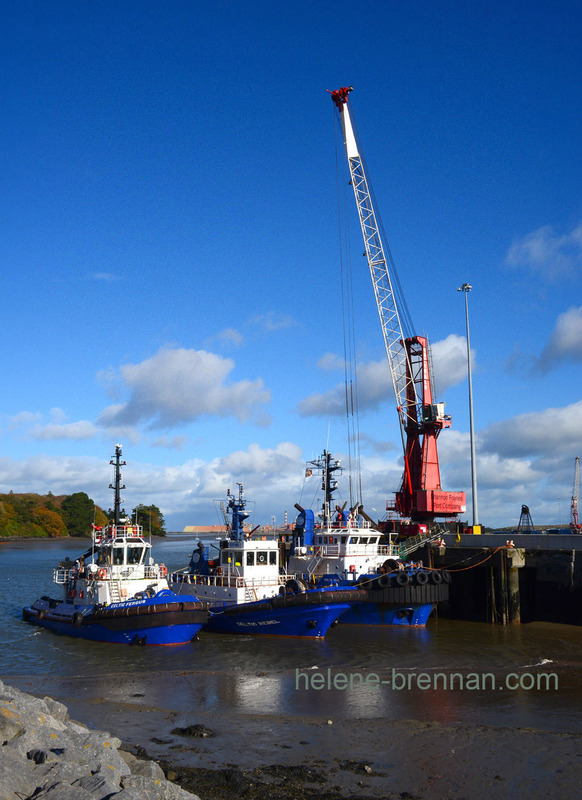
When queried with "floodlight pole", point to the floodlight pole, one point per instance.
{"points": [[466, 288]]}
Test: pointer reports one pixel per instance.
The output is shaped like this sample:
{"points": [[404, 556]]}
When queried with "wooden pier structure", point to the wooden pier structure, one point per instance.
{"points": [[505, 578]]}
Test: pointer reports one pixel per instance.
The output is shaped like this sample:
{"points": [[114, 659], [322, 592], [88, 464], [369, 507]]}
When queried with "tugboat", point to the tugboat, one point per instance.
{"points": [[345, 550], [246, 590], [116, 593]]}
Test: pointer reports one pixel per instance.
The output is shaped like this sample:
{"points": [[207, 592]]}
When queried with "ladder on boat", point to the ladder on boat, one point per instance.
{"points": [[114, 592], [250, 594], [313, 564]]}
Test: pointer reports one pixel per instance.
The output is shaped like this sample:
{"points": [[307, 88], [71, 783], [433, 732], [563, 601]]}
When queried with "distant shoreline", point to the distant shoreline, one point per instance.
{"points": [[185, 534]]}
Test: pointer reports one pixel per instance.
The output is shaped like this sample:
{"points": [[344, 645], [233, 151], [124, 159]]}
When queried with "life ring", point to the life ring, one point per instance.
{"points": [[219, 570], [102, 573], [421, 578], [72, 593], [163, 571], [81, 594], [402, 578], [318, 551]]}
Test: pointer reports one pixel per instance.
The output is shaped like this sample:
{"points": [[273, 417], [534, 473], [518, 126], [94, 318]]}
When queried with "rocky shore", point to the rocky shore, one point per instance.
{"points": [[45, 754], [169, 756]]}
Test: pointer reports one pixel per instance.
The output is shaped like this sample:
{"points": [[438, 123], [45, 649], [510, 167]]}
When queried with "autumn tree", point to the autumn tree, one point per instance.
{"points": [[51, 522], [151, 519]]}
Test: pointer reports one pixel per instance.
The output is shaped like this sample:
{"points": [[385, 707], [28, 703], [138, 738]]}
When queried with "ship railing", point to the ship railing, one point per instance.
{"points": [[231, 581], [117, 532], [351, 526], [349, 550], [61, 575]]}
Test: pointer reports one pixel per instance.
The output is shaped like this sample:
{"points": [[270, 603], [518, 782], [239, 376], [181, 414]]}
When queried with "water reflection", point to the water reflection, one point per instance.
{"points": [[252, 675]]}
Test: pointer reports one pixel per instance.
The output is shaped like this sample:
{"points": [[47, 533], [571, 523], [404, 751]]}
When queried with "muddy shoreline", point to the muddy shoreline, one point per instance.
{"points": [[259, 756]]}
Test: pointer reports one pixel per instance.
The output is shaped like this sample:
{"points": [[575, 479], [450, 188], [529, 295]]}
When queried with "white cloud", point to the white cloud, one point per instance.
{"points": [[374, 383], [536, 433], [449, 358], [171, 443], [23, 420], [546, 252], [231, 336], [266, 462], [71, 430], [178, 385], [33, 426], [272, 321], [565, 342], [374, 386], [331, 362]]}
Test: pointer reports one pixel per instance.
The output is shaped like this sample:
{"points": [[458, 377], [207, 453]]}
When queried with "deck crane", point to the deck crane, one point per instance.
{"points": [[574, 521], [420, 499]]}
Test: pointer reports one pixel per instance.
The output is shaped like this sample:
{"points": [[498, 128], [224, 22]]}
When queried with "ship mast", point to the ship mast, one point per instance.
{"points": [[117, 486]]}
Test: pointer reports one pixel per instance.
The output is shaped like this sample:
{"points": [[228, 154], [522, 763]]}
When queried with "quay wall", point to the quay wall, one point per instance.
{"points": [[504, 580]]}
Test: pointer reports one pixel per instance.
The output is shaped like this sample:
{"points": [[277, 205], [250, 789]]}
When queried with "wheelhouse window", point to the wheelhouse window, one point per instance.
{"points": [[134, 555], [273, 557], [250, 559], [118, 555], [261, 558]]}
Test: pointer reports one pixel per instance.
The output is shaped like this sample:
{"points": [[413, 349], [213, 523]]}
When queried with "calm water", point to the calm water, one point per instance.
{"points": [[258, 675]]}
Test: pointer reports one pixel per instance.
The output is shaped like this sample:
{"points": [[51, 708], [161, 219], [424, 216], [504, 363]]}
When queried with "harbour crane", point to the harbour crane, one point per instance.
{"points": [[574, 521], [420, 499]]}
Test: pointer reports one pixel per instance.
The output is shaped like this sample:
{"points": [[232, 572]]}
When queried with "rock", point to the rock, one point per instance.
{"points": [[45, 754], [64, 791], [99, 785], [17, 779], [153, 789], [56, 709], [198, 731], [11, 725], [148, 769]]}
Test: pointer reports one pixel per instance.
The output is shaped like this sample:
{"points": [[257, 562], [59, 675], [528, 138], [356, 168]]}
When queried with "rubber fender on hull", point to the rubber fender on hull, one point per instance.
{"points": [[295, 585], [383, 582]]}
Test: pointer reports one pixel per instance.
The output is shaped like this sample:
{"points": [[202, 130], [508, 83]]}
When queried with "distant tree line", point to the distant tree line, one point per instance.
{"points": [[50, 516]]}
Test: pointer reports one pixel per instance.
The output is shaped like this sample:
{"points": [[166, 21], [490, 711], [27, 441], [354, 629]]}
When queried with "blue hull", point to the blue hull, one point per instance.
{"points": [[162, 620], [386, 603], [167, 635], [252, 618], [386, 614]]}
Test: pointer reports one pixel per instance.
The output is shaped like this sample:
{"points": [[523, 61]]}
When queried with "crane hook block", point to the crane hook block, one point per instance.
{"points": [[340, 96]]}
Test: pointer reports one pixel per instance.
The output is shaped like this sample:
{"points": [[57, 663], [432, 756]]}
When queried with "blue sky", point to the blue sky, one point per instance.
{"points": [[171, 259]]}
